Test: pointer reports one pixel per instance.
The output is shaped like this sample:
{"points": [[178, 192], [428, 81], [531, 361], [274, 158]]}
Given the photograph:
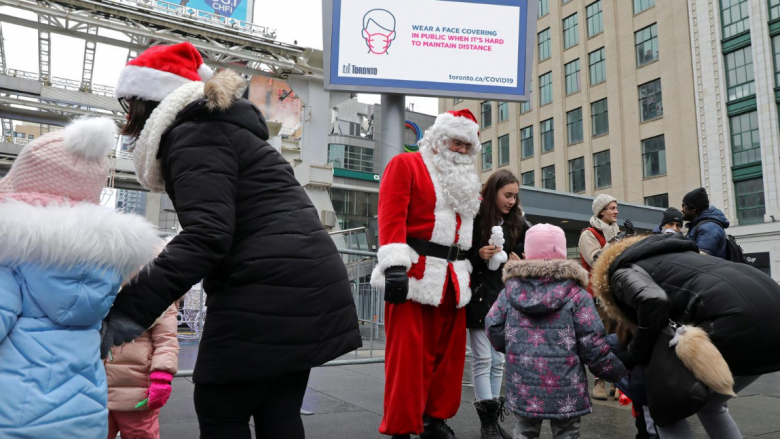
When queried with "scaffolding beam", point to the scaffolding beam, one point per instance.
{"points": [[3, 64], [44, 49], [89, 60]]}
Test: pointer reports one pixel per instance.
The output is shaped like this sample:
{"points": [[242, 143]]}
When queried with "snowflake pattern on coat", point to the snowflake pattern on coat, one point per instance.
{"points": [[586, 316], [536, 336], [540, 364], [550, 381], [535, 405], [567, 406], [566, 338]]}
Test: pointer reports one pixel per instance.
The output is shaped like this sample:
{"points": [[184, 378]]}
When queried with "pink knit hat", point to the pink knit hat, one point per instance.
{"points": [[71, 164], [545, 241]]}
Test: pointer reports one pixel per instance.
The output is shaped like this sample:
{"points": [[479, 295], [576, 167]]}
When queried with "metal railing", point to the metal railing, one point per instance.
{"points": [[62, 83]]}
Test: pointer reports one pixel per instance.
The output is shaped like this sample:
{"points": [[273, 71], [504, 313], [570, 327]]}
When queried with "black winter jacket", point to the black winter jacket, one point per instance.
{"points": [[663, 277], [486, 284], [279, 299]]}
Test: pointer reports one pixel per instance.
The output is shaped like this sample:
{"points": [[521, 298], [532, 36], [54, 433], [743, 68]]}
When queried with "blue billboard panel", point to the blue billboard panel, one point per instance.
{"points": [[460, 48], [227, 8]]}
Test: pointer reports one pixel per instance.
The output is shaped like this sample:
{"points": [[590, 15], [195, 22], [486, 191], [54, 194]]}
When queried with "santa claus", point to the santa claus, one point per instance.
{"points": [[427, 204]]}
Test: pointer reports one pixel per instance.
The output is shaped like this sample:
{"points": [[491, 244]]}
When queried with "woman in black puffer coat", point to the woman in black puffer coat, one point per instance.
{"points": [[279, 300], [645, 282]]}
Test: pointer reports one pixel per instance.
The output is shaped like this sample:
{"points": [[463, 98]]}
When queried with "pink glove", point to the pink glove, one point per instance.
{"points": [[159, 390]]}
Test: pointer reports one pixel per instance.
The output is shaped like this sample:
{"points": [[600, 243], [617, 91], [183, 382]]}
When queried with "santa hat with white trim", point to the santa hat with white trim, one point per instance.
{"points": [[459, 124], [160, 70]]}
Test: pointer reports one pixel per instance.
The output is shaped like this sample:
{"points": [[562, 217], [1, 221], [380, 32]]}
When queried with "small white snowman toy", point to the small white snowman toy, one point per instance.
{"points": [[497, 239]]}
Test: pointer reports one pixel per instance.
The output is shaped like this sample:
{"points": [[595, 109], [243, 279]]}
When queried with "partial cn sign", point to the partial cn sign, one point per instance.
{"points": [[227, 8], [469, 49]]}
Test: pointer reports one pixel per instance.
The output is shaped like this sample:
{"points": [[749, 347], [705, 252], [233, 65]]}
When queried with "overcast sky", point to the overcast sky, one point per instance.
{"points": [[67, 54]]}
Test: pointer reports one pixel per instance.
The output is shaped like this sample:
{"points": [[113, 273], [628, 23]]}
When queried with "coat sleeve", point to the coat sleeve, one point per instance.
{"points": [[204, 178], [165, 356], [709, 237], [637, 289], [10, 301], [496, 321], [592, 346], [589, 247]]}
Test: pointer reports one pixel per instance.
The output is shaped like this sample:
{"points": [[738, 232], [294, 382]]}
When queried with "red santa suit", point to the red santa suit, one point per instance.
{"points": [[426, 335]]}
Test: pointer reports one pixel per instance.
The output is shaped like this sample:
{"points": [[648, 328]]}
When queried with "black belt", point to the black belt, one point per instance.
{"points": [[450, 253]]}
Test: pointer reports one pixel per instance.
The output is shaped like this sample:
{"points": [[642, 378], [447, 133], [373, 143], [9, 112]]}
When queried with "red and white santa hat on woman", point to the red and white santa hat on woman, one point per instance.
{"points": [[461, 125], [160, 70]]}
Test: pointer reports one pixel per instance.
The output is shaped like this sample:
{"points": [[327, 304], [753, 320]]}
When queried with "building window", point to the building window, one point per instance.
{"points": [[572, 76], [595, 22], [598, 67], [503, 150], [487, 114], [574, 126], [599, 118], [774, 9], [544, 44], [570, 31], [650, 101], [565, 1], [602, 170], [739, 73], [525, 107], [548, 139], [734, 17], [654, 156], [646, 41], [577, 175], [544, 8], [354, 209], [545, 89], [457, 101], [503, 111], [750, 201], [745, 139], [19, 135], [548, 177], [660, 200], [776, 56], [642, 5], [527, 142], [528, 178], [487, 156], [31, 137], [351, 157]]}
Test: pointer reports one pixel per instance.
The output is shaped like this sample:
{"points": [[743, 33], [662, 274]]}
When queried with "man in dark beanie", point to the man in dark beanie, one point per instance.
{"points": [[671, 222], [707, 223]]}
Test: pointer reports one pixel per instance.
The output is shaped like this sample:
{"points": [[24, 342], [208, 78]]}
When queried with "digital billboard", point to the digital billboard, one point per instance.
{"points": [[238, 9], [460, 48]]}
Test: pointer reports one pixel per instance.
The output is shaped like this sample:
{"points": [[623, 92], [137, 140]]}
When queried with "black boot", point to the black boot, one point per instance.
{"points": [[436, 429], [488, 411], [502, 411]]}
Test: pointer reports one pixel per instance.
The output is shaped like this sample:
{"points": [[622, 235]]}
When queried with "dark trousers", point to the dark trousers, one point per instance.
{"points": [[224, 410]]}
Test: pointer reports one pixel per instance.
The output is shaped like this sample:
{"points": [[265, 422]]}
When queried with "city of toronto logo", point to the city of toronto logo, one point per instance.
{"points": [[378, 30]]}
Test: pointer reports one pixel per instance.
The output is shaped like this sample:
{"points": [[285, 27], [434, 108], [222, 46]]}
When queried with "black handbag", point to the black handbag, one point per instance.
{"points": [[673, 392]]}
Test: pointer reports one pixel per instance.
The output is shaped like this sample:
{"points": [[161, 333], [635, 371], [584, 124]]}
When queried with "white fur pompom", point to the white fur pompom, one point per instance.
{"points": [[91, 137]]}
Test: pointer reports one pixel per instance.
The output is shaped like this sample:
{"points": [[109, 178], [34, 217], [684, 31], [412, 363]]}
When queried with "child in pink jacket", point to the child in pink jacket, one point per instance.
{"points": [[141, 372]]}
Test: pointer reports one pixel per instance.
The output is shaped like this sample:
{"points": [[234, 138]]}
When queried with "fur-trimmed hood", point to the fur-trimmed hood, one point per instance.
{"points": [[218, 94], [540, 286], [67, 235], [599, 278]]}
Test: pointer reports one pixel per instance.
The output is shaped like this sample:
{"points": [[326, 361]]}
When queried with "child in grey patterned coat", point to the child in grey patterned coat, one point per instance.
{"points": [[547, 325]]}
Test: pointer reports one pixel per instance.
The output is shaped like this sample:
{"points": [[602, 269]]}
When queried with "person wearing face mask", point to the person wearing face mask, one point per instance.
{"points": [[603, 232], [671, 222], [427, 204], [500, 207]]}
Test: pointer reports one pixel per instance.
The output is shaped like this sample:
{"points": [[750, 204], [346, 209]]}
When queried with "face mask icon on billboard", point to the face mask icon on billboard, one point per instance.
{"points": [[378, 30]]}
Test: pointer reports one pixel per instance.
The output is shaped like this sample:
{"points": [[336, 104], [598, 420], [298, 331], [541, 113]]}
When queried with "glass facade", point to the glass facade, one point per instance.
{"points": [[503, 150], [660, 200], [750, 201], [571, 34], [548, 177], [595, 21], [739, 73], [646, 41], [544, 44], [599, 118], [654, 156], [577, 175], [650, 101], [574, 126], [602, 170], [548, 138], [745, 139], [734, 17], [598, 66], [572, 76], [353, 208], [487, 156], [527, 142], [355, 158]]}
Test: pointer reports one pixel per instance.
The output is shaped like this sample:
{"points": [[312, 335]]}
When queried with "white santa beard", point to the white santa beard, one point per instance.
{"points": [[459, 180]]}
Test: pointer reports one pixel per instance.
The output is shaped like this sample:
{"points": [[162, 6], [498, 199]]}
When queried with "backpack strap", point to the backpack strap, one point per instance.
{"points": [[696, 227]]}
